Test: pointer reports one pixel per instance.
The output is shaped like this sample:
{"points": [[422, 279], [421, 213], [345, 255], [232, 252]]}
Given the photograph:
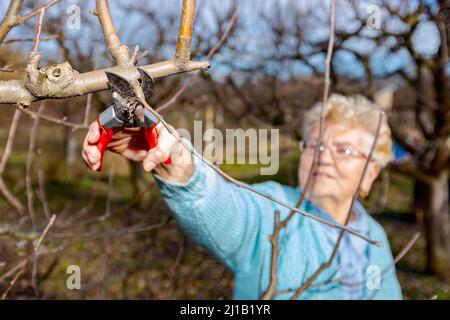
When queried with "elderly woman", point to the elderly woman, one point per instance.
{"points": [[235, 224]]}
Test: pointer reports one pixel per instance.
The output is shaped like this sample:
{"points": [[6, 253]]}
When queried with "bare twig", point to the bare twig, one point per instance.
{"points": [[63, 121], [20, 267], [87, 110], [50, 37], [247, 187], [10, 141], [341, 281], [38, 31], [29, 166], [272, 280], [13, 18], [110, 191], [274, 261], [12, 283], [174, 270], [44, 233], [104, 217], [10, 198], [166, 105], [5, 69], [397, 258], [326, 90], [42, 195], [112, 233], [36, 11], [327, 264]]}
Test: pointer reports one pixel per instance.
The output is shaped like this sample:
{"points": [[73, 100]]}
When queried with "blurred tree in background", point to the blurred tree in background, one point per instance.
{"points": [[115, 226]]}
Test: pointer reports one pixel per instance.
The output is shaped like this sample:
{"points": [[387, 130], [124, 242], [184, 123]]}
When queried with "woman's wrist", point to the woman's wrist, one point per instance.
{"points": [[182, 167]]}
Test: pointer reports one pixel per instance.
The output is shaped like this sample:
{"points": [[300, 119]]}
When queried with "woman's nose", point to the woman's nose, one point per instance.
{"points": [[325, 156]]}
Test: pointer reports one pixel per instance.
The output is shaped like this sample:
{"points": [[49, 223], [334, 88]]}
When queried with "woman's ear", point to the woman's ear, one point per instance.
{"points": [[373, 170]]}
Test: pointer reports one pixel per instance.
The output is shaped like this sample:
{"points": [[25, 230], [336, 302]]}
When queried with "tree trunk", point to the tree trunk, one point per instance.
{"points": [[138, 182], [437, 225], [71, 152]]}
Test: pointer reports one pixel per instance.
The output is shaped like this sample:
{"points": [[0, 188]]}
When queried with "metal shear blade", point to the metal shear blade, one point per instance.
{"points": [[126, 104], [123, 87], [147, 84]]}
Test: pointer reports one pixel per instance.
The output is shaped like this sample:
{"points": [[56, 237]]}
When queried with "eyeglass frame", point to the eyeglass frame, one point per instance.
{"points": [[355, 155]]}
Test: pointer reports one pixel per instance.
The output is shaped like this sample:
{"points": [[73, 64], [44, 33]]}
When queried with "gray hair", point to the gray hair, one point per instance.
{"points": [[356, 110]]}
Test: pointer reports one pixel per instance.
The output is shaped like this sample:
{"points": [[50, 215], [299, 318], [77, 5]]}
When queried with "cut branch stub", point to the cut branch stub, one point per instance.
{"points": [[48, 81]]}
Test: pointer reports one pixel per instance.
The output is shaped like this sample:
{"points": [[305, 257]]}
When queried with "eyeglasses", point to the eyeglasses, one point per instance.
{"points": [[339, 151]]}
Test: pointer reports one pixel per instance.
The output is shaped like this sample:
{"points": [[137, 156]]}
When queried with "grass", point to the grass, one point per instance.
{"points": [[140, 266]]}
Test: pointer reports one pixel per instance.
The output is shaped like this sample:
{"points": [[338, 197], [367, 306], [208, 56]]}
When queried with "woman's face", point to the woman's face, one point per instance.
{"points": [[337, 174]]}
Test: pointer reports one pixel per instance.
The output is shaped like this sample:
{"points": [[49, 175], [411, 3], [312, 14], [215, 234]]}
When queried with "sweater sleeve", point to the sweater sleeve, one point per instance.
{"points": [[390, 287], [222, 217]]}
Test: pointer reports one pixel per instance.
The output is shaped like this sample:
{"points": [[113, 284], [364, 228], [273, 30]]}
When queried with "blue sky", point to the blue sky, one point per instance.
{"points": [[253, 34]]}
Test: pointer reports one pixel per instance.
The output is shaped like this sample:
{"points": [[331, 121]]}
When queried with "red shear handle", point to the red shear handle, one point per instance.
{"points": [[102, 144], [152, 139]]}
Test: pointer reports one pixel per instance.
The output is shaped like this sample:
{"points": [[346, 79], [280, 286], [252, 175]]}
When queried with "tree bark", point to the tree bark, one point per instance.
{"points": [[437, 225]]}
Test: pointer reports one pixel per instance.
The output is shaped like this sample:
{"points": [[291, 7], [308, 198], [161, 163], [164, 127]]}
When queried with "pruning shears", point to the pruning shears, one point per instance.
{"points": [[127, 112]]}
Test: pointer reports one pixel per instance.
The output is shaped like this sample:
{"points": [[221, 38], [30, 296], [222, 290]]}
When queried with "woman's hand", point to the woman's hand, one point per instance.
{"points": [[132, 144]]}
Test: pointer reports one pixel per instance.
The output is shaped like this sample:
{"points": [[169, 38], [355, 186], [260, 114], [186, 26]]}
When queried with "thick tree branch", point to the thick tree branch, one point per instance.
{"points": [[166, 105], [10, 19], [118, 51], [183, 51], [62, 81], [72, 84]]}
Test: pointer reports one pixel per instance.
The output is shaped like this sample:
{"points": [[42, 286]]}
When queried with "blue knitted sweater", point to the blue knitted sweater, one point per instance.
{"points": [[235, 224]]}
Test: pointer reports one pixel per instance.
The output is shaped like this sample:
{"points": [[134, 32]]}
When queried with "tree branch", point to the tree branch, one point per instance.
{"points": [[20, 267], [183, 51], [10, 19], [210, 54], [328, 263], [73, 84], [274, 260], [13, 19], [118, 51], [10, 198]]}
